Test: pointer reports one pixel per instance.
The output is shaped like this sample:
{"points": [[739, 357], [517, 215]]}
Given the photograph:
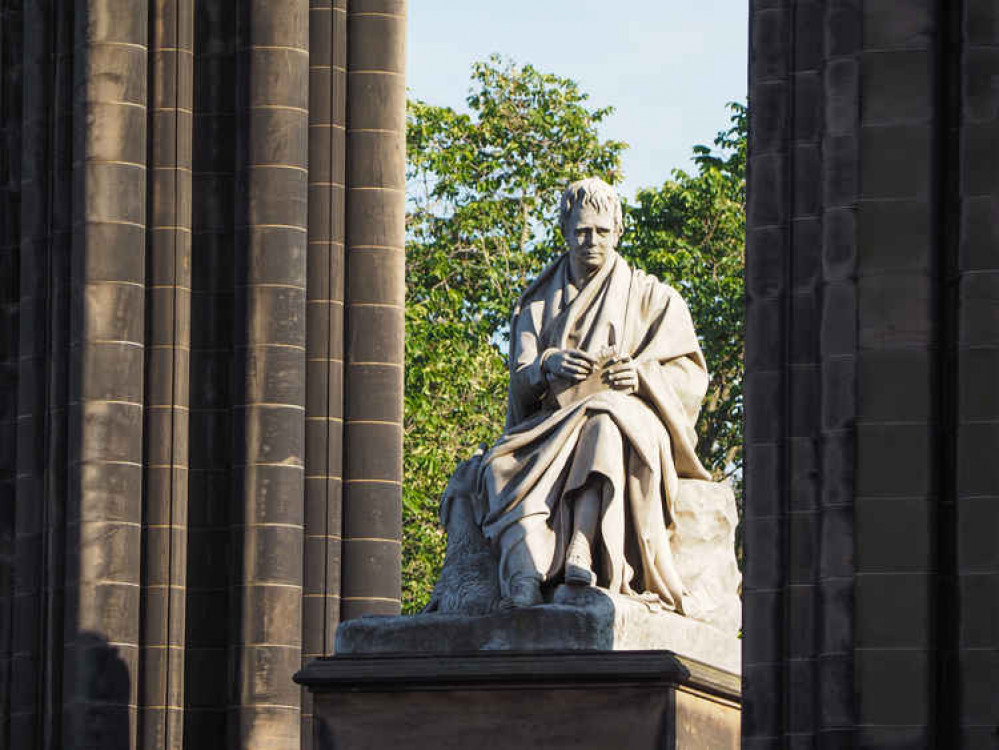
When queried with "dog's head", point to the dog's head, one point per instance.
{"points": [[463, 488]]}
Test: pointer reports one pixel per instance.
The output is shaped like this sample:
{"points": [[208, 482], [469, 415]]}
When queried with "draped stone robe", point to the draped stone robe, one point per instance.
{"points": [[633, 447]]}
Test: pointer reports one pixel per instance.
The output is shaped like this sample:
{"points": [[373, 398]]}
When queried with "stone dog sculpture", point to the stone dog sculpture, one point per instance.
{"points": [[597, 464]]}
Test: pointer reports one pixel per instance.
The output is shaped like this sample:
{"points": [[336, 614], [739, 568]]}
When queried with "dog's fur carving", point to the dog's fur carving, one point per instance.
{"points": [[469, 581]]}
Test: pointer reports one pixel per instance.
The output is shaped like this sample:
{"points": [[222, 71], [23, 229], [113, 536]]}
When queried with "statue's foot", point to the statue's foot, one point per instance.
{"points": [[579, 562], [525, 591]]}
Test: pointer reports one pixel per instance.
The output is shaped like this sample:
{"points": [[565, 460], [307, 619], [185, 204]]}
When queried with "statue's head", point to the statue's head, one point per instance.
{"points": [[591, 221]]}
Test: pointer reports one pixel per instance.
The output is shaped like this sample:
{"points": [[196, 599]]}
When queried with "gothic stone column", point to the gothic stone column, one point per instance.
{"points": [[871, 375]]}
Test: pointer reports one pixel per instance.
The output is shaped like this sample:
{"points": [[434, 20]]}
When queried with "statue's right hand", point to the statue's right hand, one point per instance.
{"points": [[571, 364]]}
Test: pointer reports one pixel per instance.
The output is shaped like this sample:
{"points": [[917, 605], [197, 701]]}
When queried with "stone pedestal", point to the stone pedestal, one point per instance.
{"points": [[575, 673], [577, 619], [512, 700]]}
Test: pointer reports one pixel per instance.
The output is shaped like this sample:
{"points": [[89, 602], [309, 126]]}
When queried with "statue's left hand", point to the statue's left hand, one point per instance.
{"points": [[622, 375]]}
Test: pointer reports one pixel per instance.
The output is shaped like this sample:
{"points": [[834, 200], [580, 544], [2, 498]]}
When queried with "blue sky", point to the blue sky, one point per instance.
{"points": [[667, 66]]}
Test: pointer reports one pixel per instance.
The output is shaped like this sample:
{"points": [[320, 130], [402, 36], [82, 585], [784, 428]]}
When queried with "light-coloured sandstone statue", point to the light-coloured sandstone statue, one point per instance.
{"points": [[584, 487]]}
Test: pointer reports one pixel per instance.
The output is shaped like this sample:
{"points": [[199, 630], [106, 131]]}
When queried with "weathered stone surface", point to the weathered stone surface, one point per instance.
{"points": [[703, 545], [578, 618]]}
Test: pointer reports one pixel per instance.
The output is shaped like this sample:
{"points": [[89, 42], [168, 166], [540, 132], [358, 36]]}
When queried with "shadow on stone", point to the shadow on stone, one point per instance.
{"points": [[101, 717]]}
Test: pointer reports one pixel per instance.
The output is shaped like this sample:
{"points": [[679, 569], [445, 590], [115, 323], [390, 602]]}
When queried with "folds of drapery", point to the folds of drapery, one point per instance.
{"points": [[531, 473], [184, 260]]}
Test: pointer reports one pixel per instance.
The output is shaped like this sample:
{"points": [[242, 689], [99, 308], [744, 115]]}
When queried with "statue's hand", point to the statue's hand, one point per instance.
{"points": [[622, 375], [571, 364]]}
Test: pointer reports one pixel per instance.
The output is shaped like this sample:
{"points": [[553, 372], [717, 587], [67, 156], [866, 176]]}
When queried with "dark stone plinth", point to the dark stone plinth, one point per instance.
{"points": [[577, 700]]}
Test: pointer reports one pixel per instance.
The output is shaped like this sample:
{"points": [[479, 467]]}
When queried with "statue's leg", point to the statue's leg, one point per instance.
{"points": [[586, 515], [598, 457], [520, 571]]}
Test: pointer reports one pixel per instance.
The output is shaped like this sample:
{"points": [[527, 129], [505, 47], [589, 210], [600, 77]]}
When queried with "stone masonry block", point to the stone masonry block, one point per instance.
{"points": [[767, 190], [840, 172], [981, 96], [977, 518], [765, 258], [982, 24], [896, 161], [806, 266], [802, 621], [803, 464], [977, 469], [839, 320], [764, 406], [843, 28], [890, 24], [769, 44], [804, 323], [802, 566], [896, 385], [894, 460], [808, 34], [839, 244], [895, 311], [808, 106], [768, 119], [979, 232], [842, 84], [839, 393], [764, 540], [763, 480], [979, 620], [836, 605], [979, 309], [980, 158], [896, 87], [894, 235], [893, 687], [893, 610]]}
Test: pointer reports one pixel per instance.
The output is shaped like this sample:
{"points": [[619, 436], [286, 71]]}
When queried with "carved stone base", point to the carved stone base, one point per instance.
{"points": [[579, 618], [515, 700]]}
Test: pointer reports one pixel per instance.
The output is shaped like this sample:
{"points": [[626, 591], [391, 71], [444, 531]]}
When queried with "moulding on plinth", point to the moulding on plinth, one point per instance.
{"points": [[502, 700]]}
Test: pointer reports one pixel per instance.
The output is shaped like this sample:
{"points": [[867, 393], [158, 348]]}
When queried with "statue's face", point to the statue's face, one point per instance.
{"points": [[590, 235]]}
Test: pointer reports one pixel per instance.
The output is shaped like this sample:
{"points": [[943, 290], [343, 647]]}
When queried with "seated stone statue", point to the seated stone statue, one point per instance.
{"points": [[606, 381]]}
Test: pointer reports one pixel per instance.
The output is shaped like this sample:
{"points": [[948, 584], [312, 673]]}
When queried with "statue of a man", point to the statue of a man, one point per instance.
{"points": [[606, 381]]}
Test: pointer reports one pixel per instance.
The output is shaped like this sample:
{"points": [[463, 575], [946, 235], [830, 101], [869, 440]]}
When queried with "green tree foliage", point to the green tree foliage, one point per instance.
{"points": [[691, 234], [482, 222]]}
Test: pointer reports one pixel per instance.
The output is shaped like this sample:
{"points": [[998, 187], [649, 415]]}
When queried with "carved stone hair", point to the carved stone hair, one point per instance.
{"points": [[596, 194]]}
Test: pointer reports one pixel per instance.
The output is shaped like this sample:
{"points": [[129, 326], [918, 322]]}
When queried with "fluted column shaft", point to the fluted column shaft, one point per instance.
{"points": [[11, 41], [376, 153], [37, 637], [209, 611], [106, 413], [269, 424], [973, 285], [168, 344], [173, 275], [871, 359], [324, 340]]}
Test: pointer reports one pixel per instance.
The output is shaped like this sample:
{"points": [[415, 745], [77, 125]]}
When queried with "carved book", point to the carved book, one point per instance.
{"points": [[569, 392]]}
